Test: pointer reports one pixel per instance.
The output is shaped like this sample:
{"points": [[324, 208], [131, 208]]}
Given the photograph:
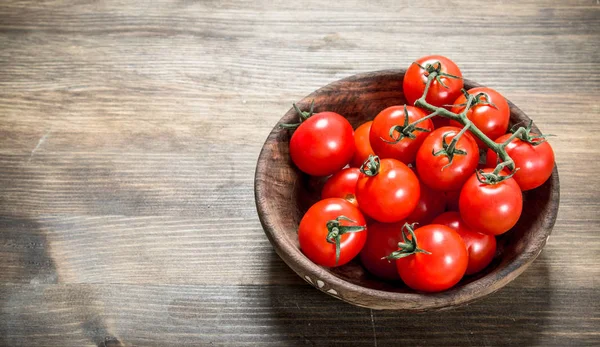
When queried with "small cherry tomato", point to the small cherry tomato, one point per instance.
{"points": [[404, 148], [382, 240], [362, 144], [491, 116], [387, 191], [439, 94], [323, 144], [431, 204], [332, 232], [481, 247], [432, 259], [433, 159], [534, 160], [490, 208], [342, 185]]}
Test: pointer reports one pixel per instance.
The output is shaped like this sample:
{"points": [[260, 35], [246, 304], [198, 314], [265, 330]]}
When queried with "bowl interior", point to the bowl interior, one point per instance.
{"points": [[287, 193]]}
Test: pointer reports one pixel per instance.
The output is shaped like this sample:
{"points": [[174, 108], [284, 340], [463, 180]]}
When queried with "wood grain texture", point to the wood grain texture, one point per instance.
{"points": [[129, 133]]}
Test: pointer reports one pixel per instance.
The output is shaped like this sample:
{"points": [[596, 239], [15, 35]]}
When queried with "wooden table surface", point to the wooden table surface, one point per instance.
{"points": [[129, 133]]}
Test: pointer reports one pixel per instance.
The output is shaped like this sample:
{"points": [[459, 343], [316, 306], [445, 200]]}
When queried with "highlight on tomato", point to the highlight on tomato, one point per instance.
{"points": [[342, 185]]}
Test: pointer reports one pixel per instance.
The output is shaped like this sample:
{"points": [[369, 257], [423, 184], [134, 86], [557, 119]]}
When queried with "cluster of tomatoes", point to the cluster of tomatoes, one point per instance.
{"points": [[407, 168]]}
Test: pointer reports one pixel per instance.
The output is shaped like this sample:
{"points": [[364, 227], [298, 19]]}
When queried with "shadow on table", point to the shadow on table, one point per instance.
{"points": [[302, 315]]}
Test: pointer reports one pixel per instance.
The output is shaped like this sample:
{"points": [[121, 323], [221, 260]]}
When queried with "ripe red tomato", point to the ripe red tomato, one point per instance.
{"points": [[441, 267], [493, 122], [342, 185], [481, 247], [535, 161], [322, 144], [315, 232], [490, 208], [382, 240], [405, 149], [438, 94], [391, 193], [431, 204], [435, 170], [362, 144]]}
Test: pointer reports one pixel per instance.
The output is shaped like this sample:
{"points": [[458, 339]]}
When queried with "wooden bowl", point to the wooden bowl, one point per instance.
{"points": [[283, 194]]}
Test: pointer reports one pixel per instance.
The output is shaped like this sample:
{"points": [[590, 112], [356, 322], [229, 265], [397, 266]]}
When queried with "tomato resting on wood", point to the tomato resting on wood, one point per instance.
{"points": [[332, 232], [490, 208], [442, 167], [442, 91], [362, 144], [392, 144], [342, 185], [323, 144], [382, 240], [481, 247], [432, 259], [387, 190], [491, 116], [535, 161]]}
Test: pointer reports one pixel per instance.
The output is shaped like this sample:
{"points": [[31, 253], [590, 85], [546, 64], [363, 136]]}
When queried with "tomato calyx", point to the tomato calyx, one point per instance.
{"points": [[407, 129], [524, 134], [407, 247], [494, 177], [336, 230], [303, 115], [371, 166], [450, 150], [437, 68]]}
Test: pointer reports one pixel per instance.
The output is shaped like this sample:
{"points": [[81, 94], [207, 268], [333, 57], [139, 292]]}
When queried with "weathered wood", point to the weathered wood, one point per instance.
{"points": [[129, 133]]}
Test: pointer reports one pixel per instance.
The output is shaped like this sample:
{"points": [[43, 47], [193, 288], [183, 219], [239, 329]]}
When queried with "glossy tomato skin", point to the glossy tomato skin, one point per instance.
{"points": [[481, 247], [323, 144], [493, 122], [391, 195], [535, 163], [431, 204], [438, 95], [406, 149], [312, 232], [432, 170], [342, 185], [441, 269], [382, 240], [362, 144], [490, 208]]}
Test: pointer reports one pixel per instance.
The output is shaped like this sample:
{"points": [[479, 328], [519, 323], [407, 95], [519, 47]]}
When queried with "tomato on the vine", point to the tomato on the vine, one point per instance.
{"points": [[387, 190], [332, 232], [431, 204], [362, 144], [342, 185], [439, 94], [481, 247], [393, 144], [382, 240], [432, 259], [323, 144], [491, 116], [490, 208], [442, 167], [535, 161]]}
